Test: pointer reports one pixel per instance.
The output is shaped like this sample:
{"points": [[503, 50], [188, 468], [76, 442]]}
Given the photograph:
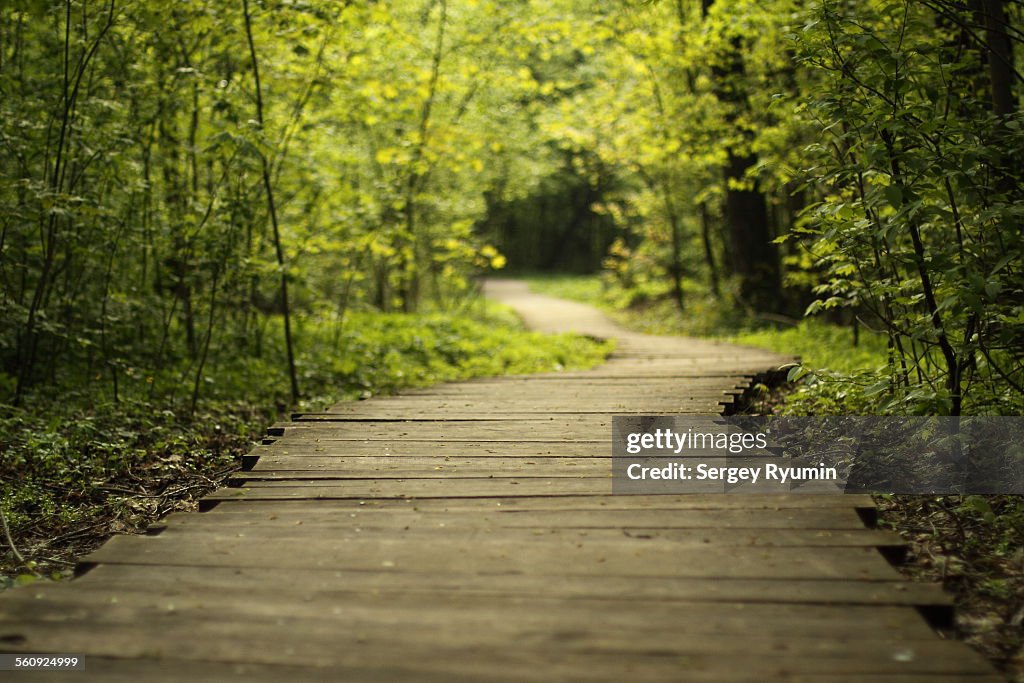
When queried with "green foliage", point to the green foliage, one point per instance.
{"points": [[918, 222], [136, 216], [884, 139], [877, 144], [821, 346], [834, 376], [76, 469]]}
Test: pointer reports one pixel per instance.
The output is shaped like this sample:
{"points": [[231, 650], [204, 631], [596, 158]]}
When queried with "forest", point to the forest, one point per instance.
{"points": [[212, 212]]}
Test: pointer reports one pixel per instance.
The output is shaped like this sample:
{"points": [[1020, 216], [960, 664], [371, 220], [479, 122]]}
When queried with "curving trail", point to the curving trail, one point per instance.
{"points": [[467, 532]]}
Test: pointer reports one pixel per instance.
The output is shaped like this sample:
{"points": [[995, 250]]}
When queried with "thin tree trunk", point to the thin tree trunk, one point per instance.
{"points": [[206, 342], [709, 252], [28, 341], [953, 366], [409, 278], [272, 210], [1000, 57], [677, 249]]}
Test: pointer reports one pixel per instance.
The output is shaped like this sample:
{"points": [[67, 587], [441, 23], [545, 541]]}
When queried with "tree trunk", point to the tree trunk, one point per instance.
{"points": [[755, 256], [709, 251], [1000, 58], [272, 210], [676, 263], [409, 275]]}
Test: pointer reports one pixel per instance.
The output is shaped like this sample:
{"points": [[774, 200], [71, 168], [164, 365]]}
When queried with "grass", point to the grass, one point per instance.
{"points": [[837, 376], [821, 346], [76, 465], [586, 288]]}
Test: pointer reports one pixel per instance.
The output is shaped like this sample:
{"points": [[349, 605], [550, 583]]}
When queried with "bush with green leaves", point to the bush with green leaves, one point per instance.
{"points": [[918, 225]]}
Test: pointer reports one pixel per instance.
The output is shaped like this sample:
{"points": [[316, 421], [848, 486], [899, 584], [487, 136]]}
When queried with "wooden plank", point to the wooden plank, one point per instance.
{"points": [[367, 643], [467, 621], [436, 470], [821, 519], [470, 487], [572, 656], [331, 463], [326, 468], [580, 503], [545, 430], [581, 393], [415, 488], [173, 580], [169, 667], [566, 382], [622, 370], [311, 446], [580, 396], [469, 408], [610, 372], [322, 461], [502, 388], [540, 553], [523, 410], [460, 486], [603, 668], [822, 639], [471, 530]]}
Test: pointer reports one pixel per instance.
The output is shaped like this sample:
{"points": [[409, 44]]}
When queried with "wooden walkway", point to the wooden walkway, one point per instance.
{"points": [[467, 532]]}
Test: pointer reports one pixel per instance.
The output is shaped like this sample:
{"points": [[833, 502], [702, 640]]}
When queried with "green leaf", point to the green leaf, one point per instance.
{"points": [[894, 196], [795, 373], [878, 387]]}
